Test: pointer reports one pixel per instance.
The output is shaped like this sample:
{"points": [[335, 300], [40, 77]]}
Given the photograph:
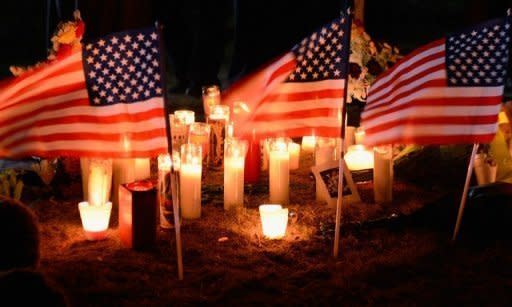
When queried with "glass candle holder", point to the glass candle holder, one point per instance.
{"points": [[274, 220], [178, 131], [186, 117], [199, 133], [279, 171], [190, 181], [217, 120], [234, 160], [95, 219], [211, 97], [99, 181], [164, 191]]}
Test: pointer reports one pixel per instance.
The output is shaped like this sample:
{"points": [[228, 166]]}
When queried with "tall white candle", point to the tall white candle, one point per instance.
{"points": [[349, 137], [294, 150], [234, 159], [99, 181], [142, 168], [186, 117], [324, 153], [279, 172], [383, 174], [359, 135], [308, 143], [123, 172], [190, 181]]}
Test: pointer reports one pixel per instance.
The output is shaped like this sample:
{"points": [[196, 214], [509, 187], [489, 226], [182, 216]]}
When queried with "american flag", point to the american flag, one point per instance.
{"points": [[446, 92], [104, 100], [298, 94]]}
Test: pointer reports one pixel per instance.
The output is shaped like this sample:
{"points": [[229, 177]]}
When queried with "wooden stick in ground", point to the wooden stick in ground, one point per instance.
{"points": [[174, 189], [339, 203], [465, 192]]}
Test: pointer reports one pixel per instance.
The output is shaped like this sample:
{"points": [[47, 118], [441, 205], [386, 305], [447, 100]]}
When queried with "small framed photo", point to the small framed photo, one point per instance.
{"points": [[327, 174]]}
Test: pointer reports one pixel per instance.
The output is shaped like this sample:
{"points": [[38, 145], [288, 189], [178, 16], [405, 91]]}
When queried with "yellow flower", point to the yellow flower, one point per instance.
{"points": [[66, 34]]}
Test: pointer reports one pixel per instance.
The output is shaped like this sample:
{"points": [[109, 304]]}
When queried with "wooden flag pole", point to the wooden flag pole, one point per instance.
{"points": [[174, 189], [465, 192], [339, 202]]}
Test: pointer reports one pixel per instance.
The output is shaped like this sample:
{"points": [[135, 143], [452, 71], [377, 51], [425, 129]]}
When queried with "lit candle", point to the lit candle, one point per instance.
{"points": [[85, 170], [123, 172], [274, 220], [359, 158], [95, 219], [308, 143], [234, 173], [359, 135], [95, 213], [190, 181], [142, 169], [199, 133], [324, 153], [294, 150], [279, 172], [186, 117], [211, 97], [164, 190], [383, 174], [217, 120], [349, 137], [99, 181], [265, 149], [178, 131]]}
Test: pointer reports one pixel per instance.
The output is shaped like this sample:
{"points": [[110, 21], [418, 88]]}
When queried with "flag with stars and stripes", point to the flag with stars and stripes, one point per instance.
{"points": [[105, 100], [300, 93], [447, 92]]}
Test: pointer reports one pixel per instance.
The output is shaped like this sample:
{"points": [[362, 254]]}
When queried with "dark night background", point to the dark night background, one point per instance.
{"points": [[202, 31]]}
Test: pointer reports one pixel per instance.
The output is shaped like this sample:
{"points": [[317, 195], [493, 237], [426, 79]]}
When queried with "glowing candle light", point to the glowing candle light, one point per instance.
{"points": [[95, 213], [308, 143], [359, 158], [234, 173], [199, 133], [190, 181], [274, 220], [294, 150], [279, 172], [359, 135]]}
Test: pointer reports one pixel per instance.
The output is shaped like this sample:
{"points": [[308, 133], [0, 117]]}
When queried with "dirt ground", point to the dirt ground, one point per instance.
{"points": [[392, 254]]}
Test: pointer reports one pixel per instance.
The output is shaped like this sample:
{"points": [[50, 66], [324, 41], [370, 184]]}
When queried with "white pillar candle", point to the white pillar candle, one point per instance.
{"points": [[274, 220], [359, 135], [359, 158], [383, 174], [234, 158], [186, 117], [324, 153], [164, 190], [199, 133], [349, 137], [123, 172], [308, 143], [99, 181], [142, 168], [95, 219], [179, 131], [190, 181], [279, 172], [294, 150]]}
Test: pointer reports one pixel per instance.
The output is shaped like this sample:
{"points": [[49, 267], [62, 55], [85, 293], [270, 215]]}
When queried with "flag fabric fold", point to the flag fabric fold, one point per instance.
{"points": [[102, 101], [448, 91], [299, 93]]}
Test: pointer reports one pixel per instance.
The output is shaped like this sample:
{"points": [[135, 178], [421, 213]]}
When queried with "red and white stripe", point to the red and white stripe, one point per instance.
{"points": [[412, 103], [46, 113], [278, 108]]}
